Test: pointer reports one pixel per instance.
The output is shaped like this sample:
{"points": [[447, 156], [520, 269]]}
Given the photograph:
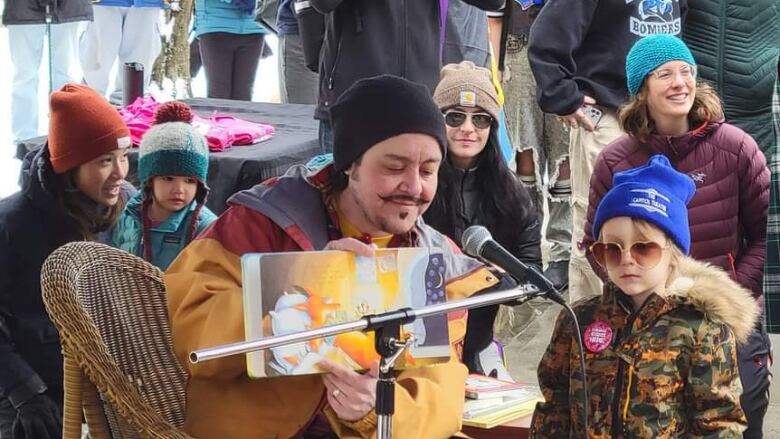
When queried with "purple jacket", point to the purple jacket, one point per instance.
{"points": [[728, 212]]}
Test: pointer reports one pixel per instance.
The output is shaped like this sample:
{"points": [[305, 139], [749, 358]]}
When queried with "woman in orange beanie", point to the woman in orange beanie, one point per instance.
{"points": [[73, 189]]}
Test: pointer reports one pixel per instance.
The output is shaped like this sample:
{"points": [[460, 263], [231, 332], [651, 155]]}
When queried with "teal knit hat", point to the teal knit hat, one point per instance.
{"points": [[173, 146], [650, 52]]}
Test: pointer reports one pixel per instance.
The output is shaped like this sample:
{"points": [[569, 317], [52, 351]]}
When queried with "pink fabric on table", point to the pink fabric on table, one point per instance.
{"points": [[217, 137], [221, 131], [139, 117], [242, 132]]}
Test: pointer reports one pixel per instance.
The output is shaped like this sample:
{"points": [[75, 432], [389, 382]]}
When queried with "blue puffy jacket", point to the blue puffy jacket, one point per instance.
{"points": [[224, 16], [168, 239]]}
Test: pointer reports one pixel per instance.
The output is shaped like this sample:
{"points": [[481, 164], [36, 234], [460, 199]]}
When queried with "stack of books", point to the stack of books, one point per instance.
{"points": [[491, 402]]}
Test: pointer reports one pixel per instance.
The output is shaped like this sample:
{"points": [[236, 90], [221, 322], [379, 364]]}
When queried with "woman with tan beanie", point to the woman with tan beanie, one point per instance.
{"points": [[477, 187], [73, 189]]}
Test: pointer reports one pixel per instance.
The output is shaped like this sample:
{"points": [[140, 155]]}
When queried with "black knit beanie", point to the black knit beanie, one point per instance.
{"points": [[378, 108]]}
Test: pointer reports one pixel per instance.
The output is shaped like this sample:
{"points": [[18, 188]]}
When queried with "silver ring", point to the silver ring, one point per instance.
{"points": [[336, 393]]}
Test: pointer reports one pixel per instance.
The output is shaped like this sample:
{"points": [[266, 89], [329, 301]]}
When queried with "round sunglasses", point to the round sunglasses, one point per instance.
{"points": [[455, 118], [647, 254]]}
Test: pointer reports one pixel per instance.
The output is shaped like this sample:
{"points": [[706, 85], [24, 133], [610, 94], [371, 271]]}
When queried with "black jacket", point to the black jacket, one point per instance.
{"points": [[579, 47], [34, 11], [32, 226], [370, 38], [525, 245]]}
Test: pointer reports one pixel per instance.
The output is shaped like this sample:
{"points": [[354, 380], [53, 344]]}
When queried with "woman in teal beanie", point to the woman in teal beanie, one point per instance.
{"points": [[170, 210], [673, 114]]}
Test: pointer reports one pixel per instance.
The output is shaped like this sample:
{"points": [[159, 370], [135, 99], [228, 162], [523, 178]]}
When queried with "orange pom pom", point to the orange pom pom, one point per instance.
{"points": [[173, 111]]}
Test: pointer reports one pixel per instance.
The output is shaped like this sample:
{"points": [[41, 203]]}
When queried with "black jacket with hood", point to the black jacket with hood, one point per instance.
{"points": [[370, 38], [32, 226]]}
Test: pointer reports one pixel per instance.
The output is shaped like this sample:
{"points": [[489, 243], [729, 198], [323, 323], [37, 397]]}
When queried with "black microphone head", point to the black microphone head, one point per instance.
{"points": [[473, 239]]}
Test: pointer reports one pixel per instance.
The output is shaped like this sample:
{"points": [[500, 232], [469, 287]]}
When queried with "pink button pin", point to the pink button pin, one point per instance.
{"points": [[598, 336]]}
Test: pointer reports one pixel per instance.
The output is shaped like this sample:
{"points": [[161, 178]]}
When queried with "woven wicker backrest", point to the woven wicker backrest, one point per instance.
{"points": [[111, 312]]}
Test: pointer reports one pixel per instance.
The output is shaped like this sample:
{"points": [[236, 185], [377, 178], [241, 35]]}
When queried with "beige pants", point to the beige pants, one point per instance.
{"points": [[584, 147]]}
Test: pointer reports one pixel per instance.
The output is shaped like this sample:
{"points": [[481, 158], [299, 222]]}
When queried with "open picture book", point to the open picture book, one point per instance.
{"points": [[291, 292]]}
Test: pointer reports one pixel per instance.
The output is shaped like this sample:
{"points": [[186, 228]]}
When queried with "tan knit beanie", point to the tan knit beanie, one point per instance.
{"points": [[466, 85]]}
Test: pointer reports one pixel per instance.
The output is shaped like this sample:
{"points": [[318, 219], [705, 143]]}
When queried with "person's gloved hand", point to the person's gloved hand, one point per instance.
{"points": [[37, 418]]}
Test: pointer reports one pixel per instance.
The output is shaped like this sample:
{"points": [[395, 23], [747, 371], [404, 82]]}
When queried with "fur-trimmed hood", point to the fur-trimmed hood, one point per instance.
{"points": [[711, 290]]}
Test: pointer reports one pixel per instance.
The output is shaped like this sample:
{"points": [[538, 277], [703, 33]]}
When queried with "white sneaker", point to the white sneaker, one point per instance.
{"points": [[491, 360]]}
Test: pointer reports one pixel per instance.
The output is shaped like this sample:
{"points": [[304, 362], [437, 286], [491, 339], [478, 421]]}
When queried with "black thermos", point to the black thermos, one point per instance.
{"points": [[133, 82]]}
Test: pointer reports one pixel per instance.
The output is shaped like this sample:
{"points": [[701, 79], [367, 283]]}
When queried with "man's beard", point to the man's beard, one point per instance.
{"points": [[384, 224]]}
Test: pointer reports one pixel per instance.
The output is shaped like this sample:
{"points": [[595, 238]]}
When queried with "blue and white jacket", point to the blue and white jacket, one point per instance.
{"points": [[224, 16], [132, 3], [167, 239]]}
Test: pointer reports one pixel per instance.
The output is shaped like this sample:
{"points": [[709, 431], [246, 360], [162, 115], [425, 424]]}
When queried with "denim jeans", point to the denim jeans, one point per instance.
{"points": [[326, 137]]}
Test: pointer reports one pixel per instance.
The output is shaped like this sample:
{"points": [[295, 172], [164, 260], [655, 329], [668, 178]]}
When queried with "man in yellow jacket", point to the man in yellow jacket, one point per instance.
{"points": [[389, 142]]}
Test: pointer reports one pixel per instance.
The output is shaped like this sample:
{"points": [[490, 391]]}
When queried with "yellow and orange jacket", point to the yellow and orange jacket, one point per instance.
{"points": [[291, 213]]}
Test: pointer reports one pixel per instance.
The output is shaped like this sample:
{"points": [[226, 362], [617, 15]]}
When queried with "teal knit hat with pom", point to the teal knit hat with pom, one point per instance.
{"points": [[650, 52], [173, 146]]}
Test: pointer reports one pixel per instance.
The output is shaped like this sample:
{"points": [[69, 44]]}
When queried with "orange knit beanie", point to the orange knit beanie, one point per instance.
{"points": [[82, 126]]}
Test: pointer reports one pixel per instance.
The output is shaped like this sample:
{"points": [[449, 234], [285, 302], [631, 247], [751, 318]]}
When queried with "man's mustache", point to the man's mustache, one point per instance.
{"points": [[404, 199]]}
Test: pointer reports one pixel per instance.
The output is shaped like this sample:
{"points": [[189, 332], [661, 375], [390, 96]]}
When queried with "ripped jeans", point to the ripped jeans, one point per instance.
{"points": [[531, 129]]}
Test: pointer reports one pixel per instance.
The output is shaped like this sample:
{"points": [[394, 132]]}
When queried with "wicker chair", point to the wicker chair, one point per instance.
{"points": [[120, 370]]}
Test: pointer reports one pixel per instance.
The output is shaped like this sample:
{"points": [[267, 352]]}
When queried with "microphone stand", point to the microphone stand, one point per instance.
{"points": [[387, 341]]}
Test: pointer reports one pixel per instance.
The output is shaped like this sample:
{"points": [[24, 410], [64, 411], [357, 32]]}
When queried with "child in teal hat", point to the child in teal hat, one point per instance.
{"points": [[170, 210], [660, 340]]}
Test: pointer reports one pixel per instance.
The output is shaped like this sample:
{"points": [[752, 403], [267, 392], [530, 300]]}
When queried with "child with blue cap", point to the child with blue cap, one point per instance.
{"points": [[672, 114], [660, 341]]}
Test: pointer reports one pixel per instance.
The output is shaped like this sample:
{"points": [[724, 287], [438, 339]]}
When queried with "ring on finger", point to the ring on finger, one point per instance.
{"points": [[336, 393]]}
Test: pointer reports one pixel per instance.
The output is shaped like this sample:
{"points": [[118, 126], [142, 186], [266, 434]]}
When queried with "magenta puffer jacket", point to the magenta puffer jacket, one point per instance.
{"points": [[728, 212]]}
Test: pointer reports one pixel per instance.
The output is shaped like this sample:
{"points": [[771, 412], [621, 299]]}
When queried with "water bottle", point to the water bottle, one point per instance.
{"points": [[133, 82]]}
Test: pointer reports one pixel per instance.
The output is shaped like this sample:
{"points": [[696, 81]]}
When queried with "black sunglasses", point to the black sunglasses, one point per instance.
{"points": [[456, 118]]}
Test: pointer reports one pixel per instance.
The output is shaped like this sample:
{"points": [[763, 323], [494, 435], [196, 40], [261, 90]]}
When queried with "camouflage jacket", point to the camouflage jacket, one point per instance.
{"points": [[668, 370]]}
